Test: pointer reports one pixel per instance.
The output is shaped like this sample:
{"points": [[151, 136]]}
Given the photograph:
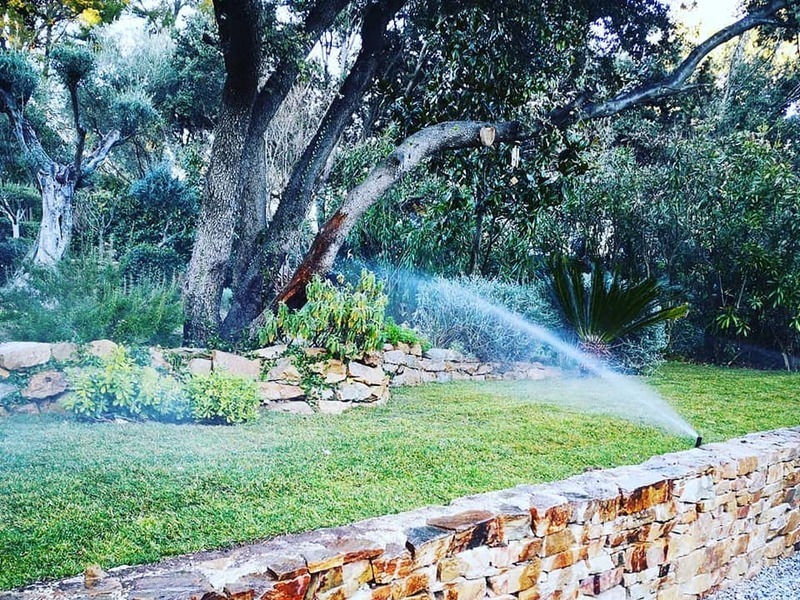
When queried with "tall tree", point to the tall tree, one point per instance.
{"points": [[57, 179]]}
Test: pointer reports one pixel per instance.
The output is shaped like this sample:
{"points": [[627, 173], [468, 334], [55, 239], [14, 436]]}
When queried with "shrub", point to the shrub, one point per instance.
{"points": [[450, 315], [347, 321], [146, 262], [87, 300], [395, 334], [641, 352], [221, 397], [12, 251], [118, 387]]}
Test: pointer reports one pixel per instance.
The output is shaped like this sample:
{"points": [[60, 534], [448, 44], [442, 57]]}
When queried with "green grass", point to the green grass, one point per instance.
{"points": [[73, 494]]}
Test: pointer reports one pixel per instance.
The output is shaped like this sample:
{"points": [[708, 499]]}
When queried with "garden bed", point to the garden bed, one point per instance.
{"points": [[79, 493]]}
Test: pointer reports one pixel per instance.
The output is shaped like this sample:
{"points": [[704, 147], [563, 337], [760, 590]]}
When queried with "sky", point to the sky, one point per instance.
{"points": [[707, 16]]}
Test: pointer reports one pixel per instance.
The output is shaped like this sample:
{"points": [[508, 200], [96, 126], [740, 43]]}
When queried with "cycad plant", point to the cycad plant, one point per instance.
{"points": [[604, 306]]}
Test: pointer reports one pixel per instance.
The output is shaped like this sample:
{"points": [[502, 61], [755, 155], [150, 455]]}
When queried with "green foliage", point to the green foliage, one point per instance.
{"points": [[347, 321], [11, 254], [395, 334], [221, 397], [133, 111], [450, 315], [17, 76], [73, 63], [86, 300], [146, 262], [605, 307], [119, 387]]}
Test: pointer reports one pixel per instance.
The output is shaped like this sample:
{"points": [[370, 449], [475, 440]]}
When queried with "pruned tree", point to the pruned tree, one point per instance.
{"points": [[57, 180], [15, 205]]}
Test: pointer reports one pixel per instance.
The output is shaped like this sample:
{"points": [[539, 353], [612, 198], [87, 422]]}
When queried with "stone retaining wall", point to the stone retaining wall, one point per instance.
{"points": [[278, 373], [677, 527]]}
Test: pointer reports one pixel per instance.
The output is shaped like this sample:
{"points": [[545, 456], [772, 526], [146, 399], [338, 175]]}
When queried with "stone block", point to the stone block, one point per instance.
{"points": [[442, 354], [549, 513], [44, 385], [462, 589], [23, 355], [353, 392], [471, 528], [101, 348], [273, 391], [558, 542], [270, 352], [364, 374], [64, 351], [199, 366], [428, 544], [601, 582], [236, 365], [332, 370], [392, 565], [517, 578], [641, 489], [284, 370], [419, 580]]}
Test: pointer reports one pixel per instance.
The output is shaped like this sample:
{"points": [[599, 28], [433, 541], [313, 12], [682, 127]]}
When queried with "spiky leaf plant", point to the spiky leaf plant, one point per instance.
{"points": [[606, 307]]}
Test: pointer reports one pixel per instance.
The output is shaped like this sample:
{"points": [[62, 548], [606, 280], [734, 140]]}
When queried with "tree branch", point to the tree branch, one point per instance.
{"points": [[26, 137], [99, 154]]}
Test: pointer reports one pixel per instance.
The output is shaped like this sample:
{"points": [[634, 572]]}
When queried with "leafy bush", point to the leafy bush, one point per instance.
{"points": [[12, 251], [347, 321], [88, 300], [395, 334], [221, 397], [118, 387], [146, 262], [641, 352], [451, 315]]}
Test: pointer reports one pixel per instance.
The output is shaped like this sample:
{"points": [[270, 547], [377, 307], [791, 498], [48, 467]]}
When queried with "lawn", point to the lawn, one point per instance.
{"points": [[74, 493]]}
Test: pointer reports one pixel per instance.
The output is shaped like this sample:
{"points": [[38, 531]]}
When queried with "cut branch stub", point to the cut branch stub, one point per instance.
{"points": [[487, 136]]}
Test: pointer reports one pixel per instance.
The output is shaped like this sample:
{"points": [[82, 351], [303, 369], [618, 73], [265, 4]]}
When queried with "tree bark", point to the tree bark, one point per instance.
{"points": [[55, 232], [459, 135], [238, 141], [281, 235]]}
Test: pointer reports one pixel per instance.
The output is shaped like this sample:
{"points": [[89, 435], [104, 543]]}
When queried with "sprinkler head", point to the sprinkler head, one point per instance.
{"points": [[699, 441]]}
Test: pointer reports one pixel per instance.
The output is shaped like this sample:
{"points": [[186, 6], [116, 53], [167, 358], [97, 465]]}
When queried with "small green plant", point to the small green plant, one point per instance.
{"points": [[118, 387], [221, 397], [347, 321], [400, 334]]}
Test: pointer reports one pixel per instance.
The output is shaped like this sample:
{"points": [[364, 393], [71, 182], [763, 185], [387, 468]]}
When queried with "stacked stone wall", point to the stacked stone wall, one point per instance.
{"points": [[677, 527]]}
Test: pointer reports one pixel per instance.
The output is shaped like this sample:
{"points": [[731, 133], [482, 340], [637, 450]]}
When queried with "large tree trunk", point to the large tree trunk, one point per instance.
{"points": [[281, 235], [243, 124], [55, 232]]}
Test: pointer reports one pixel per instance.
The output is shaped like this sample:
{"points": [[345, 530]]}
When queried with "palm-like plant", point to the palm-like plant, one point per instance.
{"points": [[606, 307]]}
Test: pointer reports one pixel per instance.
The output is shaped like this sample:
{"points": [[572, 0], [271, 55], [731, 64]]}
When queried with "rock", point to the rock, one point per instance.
{"points": [[416, 350], [199, 366], [394, 357], [92, 575], [365, 374], [442, 355], [373, 358], [23, 355], [333, 407], [6, 389], [31, 408], [295, 407], [4, 374], [157, 360], [47, 384], [433, 366], [271, 390], [64, 351], [271, 352], [235, 364], [353, 392], [3, 412], [101, 348], [284, 371], [332, 370]]}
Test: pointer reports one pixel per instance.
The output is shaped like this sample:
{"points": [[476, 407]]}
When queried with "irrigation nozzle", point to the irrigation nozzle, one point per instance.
{"points": [[699, 441]]}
